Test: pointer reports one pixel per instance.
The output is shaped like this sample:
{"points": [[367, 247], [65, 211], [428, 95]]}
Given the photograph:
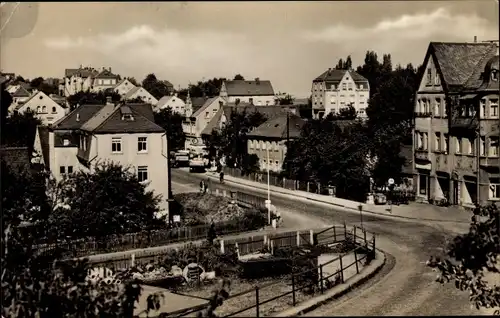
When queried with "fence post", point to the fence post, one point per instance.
{"points": [[334, 234], [222, 246], [356, 260], [373, 245], [293, 289], [307, 186], [257, 301], [354, 234], [284, 182], [364, 235], [298, 238], [321, 277], [237, 249], [341, 270], [345, 230], [311, 236]]}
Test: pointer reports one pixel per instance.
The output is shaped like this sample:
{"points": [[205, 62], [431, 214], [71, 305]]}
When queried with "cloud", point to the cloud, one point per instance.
{"points": [[440, 24], [167, 51]]}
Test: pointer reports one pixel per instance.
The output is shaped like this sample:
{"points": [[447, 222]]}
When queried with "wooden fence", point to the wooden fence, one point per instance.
{"points": [[153, 238], [364, 247]]}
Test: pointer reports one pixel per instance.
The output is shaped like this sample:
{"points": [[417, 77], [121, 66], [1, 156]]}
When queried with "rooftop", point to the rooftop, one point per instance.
{"points": [[249, 88], [335, 76], [277, 127]]}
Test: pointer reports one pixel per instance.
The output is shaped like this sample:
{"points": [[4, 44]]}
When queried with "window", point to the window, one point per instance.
{"points": [[446, 143], [429, 76], [469, 146], [142, 173], [458, 145], [437, 80], [482, 108], [332, 87], [277, 163], [142, 144], [263, 145], [494, 75], [54, 110], [38, 109], [350, 86], [62, 170], [207, 115], [361, 86], [44, 109], [437, 107], [437, 146], [482, 147], [250, 100], [116, 145], [494, 188], [425, 139], [344, 86], [494, 150], [66, 142], [494, 108], [70, 169]]}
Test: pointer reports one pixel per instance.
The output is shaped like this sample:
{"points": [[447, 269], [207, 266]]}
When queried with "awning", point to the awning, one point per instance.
{"points": [[469, 96]]}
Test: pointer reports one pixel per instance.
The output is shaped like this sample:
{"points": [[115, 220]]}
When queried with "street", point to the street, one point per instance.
{"points": [[405, 286]]}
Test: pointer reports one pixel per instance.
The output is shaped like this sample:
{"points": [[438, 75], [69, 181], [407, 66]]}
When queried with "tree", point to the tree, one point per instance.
{"points": [[100, 98], [40, 84], [20, 130], [327, 154], [340, 65], [172, 123], [238, 77], [286, 100], [36, 82], [95, 204], [208, 88], [470, 255], [5, 102], [346, 113], [370, 70], [155, 87], [348, 63], [133, 81]]}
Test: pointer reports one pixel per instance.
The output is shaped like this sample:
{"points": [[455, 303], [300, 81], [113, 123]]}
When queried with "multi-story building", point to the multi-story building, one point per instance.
{"points": [[456, 129], [43, 107], [268, 141], [104, 80], [122, 133], [173, 102], [257, 92], [123, 87], [337, 89], [78, 80]]}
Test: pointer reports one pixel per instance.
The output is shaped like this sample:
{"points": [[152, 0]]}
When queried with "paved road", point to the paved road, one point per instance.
{"points": [[405, 286]]}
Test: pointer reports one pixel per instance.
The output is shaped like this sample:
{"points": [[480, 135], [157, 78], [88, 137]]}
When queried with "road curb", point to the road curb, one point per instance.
{"points": [[338, 291], [350, 208]]}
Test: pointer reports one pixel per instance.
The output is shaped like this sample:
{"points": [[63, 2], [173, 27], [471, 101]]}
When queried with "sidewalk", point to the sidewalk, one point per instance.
{"points": [[413, 211]]}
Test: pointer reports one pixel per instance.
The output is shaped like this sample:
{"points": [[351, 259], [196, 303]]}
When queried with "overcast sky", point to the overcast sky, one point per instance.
{"points": [[288, 43]]}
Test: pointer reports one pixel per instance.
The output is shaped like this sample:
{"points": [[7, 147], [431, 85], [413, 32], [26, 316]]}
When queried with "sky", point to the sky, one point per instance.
{"points": [[289, 43]]}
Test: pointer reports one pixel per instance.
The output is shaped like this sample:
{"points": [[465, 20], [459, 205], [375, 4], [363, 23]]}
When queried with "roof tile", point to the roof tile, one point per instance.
{"points": [[277, 127], [249, 88]]}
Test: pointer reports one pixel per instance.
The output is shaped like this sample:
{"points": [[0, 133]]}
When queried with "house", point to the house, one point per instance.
{"points": [[337, 89], [257, 92], [44, 108], [268, 141], [169, 86], [196, 123], [142, 93], [104, 80], [456, 133], [78, 80], [193, 104], [123, 87], [175, 103], [122, 133], [19, 96]]}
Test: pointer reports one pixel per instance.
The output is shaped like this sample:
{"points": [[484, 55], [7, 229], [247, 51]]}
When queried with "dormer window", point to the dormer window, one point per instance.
{"points": [[126, 113], [127, 117], [494, 75]]}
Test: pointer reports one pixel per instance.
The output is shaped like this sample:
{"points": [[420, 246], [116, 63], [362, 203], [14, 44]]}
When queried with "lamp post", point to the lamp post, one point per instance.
{"points": [[360, 207], [268, 189]]}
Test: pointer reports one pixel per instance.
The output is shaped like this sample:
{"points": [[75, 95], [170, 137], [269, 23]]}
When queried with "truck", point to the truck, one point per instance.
{"points": [[198, 163], [181, 158]]}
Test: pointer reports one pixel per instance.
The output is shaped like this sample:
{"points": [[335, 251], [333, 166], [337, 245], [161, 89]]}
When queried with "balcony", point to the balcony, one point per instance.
{"points": [[464, 123], [489, 162], [422, 155]]}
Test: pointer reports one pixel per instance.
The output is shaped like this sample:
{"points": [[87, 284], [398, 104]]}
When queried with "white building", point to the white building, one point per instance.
{"points": [[78, 80], [337, 89], [257, 92], [142, 93], [123, 87], [44, 107], [175, 103]]}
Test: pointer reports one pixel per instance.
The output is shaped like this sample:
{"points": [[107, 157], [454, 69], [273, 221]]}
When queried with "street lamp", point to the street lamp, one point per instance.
{"points": [[360, 207], [268, 202]]}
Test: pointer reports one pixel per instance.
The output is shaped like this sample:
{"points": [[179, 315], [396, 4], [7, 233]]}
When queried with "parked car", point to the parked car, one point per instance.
{"points": [[380, 198]]}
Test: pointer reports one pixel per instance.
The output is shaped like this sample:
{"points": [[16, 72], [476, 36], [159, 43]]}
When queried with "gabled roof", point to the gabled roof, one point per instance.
{"points": [[197, 102], [458, 61], [81, 72], [168, 84], [106, 74], [123, 81], [277, 127], [480, 78], [249, 88], [334, 76], [164, 100], [21, 92], [131, 92], [110, 120], [77, 117], [207, 103], [213, 123]]}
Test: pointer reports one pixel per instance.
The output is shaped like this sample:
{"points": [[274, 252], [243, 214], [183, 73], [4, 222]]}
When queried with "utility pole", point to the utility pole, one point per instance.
{"points": [[478, 150], [268, 189]]}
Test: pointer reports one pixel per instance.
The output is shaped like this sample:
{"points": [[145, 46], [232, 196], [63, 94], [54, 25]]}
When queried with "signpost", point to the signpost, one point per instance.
{"points": [[391, 186]]}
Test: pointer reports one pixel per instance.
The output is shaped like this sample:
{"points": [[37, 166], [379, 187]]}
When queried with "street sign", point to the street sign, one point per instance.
{"points": [[391, 181]]}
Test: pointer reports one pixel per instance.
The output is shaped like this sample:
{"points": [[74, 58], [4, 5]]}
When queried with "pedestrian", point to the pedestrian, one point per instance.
{"points": [[221, 176], [205, 186], [201, 187]]}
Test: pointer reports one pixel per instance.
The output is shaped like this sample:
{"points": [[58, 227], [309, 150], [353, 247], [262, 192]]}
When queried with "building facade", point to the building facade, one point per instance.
{"points": [[173, 102], [256, 92], [457, 125], [338, 89], [268, 141], [44, 108], [142, 93], [123, 133], [78, 80]]}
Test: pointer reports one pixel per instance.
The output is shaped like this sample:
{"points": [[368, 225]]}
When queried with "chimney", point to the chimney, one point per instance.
{"points": [[475, 38], [257, 80], [109, 100], [110, 69]]}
